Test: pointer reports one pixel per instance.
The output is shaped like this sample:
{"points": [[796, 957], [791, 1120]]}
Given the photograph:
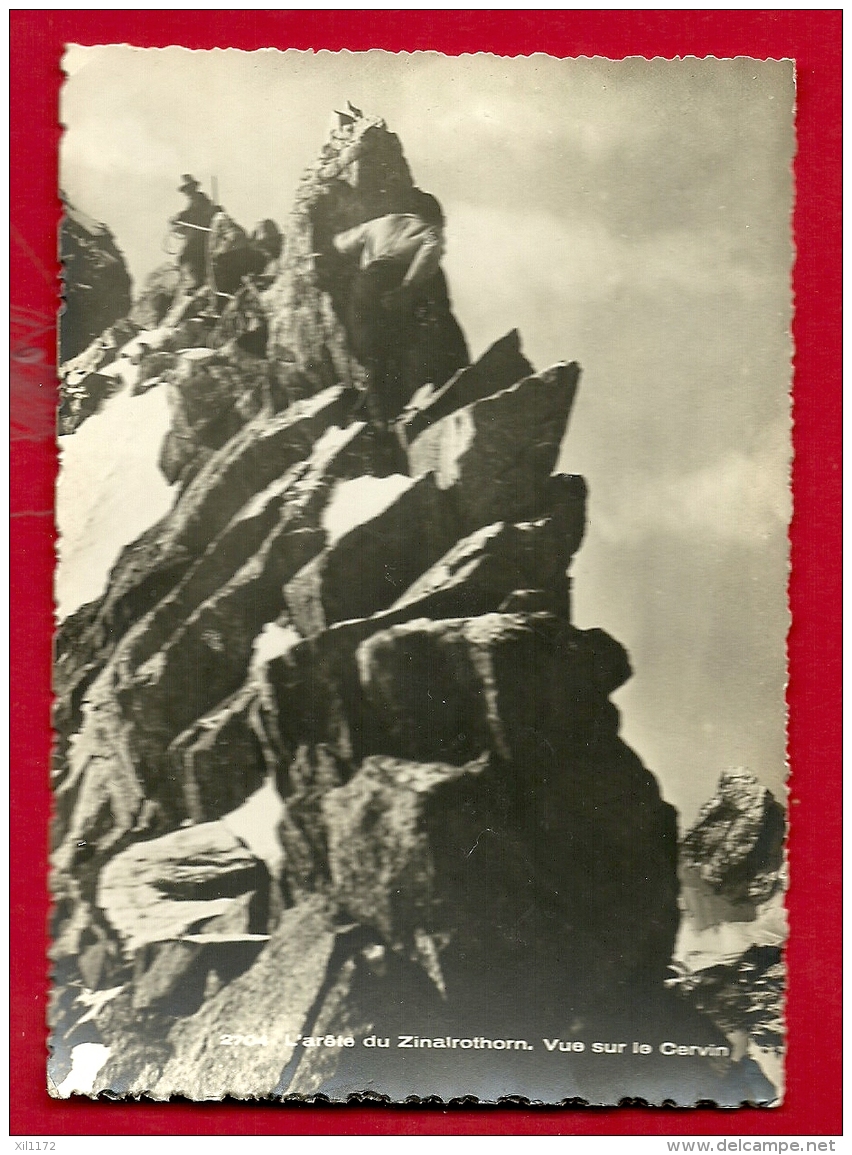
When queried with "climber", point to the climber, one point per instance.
{"points": [[234, 256], [399, 255], [193, 224]]}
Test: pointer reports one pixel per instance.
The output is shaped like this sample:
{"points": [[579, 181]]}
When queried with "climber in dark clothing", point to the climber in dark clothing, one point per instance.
{"points": [[251, 259], [194, 224], [399, 256]]}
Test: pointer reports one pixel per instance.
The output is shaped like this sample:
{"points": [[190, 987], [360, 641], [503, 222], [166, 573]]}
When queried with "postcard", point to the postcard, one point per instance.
{"points": [[421, 589]]}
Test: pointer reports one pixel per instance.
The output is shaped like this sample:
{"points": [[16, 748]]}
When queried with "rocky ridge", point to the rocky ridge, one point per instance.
{"points": [[463, 844], [96, 294]]}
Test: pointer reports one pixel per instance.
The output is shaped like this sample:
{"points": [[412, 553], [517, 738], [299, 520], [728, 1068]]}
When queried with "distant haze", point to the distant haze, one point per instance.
{"points": [[633, 216]]}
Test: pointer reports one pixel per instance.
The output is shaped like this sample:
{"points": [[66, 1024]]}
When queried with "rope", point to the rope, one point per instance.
{"points": [[174, 232]]}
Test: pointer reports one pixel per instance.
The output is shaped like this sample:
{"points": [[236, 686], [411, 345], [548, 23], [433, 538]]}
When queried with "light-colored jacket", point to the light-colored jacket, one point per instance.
{"points": [[400, 237]]}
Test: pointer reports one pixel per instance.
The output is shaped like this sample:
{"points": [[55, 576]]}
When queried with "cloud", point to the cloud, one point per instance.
{"points": [[739, 497], [496, 257], [124, 148]]}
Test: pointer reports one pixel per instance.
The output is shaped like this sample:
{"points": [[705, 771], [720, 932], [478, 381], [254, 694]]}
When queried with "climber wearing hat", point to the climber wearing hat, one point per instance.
{"points": [[398, 256], [194, 225]]}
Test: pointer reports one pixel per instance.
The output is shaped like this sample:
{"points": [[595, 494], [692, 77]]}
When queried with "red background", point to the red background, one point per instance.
{"points": [[813, 39]]}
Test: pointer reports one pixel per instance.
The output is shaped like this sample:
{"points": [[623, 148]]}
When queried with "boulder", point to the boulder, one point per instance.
{"points": [[446, 866], [380, 828], [475, 935], [474, 577], [168, 887], [566, 799], [445, 690], [498, 453]]}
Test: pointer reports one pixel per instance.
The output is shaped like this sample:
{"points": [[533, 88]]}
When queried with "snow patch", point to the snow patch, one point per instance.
{"points": [[699, 948], [109, 490], [354, 502], [273, 641], [256, 823]]}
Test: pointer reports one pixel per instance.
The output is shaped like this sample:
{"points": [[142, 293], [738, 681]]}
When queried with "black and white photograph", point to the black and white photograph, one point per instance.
{"points": [[421, 586]]}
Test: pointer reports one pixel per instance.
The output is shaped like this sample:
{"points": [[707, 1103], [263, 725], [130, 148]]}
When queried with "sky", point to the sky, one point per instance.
{"points": [[633, 216]]}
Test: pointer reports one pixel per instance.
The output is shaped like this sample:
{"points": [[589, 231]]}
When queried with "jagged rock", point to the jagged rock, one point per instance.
{"points": [[136, 1042], [234, 255], [260, 453], [361, 174], [745, 994], [150, 568], [474, 577], [99, 803], [375, 996], [532, 691], [187, 656], [84, 383], [450, 867], [311, 772], [498, 452], [91, 953], [384, 553], [305, 329], [307, 485], [476, 574], [81, 399], [243, 323], [156, 298], [101, 352], [736, 846], [96, 283], [500, 366], [209, 652], [211, 396], [166, 887], [219, 760], [485, 567]]}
